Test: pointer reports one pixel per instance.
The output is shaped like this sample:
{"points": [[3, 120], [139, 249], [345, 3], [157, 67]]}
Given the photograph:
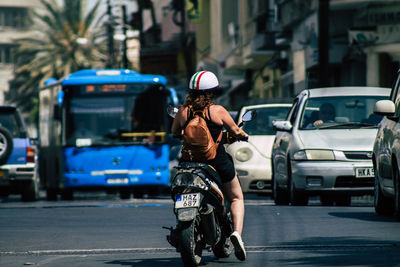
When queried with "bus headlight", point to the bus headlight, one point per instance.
{"points": [[314, 154], [243, 154]]}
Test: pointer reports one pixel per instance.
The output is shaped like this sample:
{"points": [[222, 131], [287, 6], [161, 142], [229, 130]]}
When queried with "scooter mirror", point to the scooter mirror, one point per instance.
{"points": [[172, 110], [249, 115]]}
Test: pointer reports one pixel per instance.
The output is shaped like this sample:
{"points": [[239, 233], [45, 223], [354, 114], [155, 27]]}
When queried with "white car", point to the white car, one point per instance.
{"points": [[252, 159]]}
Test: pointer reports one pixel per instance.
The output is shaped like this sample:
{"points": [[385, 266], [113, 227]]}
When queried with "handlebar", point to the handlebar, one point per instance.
{"points": [[229, 138]]}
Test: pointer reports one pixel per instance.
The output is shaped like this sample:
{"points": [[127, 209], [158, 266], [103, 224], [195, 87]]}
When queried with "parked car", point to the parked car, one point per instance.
{"points": [[324, 147], [18, 162], [386, 155], [252, 159]]}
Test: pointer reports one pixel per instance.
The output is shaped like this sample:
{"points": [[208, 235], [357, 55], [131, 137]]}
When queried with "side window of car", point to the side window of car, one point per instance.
{"points": [[395, 94], [293, 111]]}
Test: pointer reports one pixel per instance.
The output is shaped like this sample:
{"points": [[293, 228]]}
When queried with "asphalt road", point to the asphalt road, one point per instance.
{"points": [[101, 230]]}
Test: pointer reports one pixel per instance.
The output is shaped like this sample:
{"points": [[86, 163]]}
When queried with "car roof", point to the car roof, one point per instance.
{"points": [[267, 105], [8, 108], [348, 91]]}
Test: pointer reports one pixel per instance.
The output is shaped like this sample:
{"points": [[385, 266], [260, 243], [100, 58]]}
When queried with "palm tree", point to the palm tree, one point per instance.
{"points": [[68, 40]]}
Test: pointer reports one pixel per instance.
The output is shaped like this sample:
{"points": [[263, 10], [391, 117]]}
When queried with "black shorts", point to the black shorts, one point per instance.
{"points": [[223, 163]]}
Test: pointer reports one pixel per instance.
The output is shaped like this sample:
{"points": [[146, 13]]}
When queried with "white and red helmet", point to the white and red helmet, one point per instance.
{"points": [[203, 80]]}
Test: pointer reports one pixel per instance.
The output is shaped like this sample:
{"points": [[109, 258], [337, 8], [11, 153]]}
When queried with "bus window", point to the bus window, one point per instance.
{"points": [[148, 112]]}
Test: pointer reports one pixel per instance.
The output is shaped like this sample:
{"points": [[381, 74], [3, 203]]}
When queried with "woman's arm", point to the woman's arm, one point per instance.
{"points": [[229, 123], [177, 124]]}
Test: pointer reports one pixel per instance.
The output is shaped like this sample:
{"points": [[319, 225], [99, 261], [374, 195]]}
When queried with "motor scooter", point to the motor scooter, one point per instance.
{"points": [[203, 215]]}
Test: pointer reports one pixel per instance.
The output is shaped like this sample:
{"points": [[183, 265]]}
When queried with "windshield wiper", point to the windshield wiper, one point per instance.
{"points": [[353, 124]]}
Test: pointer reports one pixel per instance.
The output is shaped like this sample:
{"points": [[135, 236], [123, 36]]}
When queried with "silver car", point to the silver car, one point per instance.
{"points": [[386, 155], [324, 147]]}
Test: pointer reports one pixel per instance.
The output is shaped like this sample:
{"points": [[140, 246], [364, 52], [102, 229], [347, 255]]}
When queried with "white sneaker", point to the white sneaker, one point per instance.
{"points": [[237, 242]]}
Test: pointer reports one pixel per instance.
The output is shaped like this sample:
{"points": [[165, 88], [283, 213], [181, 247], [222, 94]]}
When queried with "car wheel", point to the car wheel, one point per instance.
{"points": [[297, 198], [281, 197], [343, 201], [326, 200], [30, 191], [382, 204], [396, 183], [6, 145]]}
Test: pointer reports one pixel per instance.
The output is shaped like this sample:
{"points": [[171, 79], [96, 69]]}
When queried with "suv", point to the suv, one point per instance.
{"points": [[18, 168], [386, 155]]}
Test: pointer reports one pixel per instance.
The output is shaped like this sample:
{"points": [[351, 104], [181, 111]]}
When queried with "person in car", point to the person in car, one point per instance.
{"points": [[326, 114], [202, 86]]}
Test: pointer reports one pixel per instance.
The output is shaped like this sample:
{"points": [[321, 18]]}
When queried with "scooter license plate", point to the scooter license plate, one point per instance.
{"points": [[187, 201]]}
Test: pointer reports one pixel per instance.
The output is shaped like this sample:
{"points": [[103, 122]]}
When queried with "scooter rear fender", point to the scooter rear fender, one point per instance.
{"points": [[186, 214]]}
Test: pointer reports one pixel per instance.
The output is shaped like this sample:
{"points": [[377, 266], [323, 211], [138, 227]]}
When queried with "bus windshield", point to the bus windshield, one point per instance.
{"points": [[101, 114]]}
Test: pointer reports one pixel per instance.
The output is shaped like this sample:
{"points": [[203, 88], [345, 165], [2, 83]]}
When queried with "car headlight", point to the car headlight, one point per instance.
{"points": [[314, 154], [243, 154]]}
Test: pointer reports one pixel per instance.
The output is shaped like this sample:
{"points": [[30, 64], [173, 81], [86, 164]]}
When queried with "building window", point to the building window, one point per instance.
{"points": [[13, 17], [7, 53]]}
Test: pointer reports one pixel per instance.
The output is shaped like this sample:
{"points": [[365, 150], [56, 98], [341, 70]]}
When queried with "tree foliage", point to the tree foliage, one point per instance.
{"points": [[68, 39]]}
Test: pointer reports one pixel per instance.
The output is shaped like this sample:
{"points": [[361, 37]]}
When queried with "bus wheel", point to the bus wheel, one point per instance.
{"points": [[51, 194], [125, 194], [67, 194]]}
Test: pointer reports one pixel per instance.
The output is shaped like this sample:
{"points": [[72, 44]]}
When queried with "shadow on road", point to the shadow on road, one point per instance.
{"points": [[364, 216], [342, 251], [159, 262]]}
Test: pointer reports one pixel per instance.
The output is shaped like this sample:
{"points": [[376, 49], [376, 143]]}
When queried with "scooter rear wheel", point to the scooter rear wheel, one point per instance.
{"points": [[191, 244]]}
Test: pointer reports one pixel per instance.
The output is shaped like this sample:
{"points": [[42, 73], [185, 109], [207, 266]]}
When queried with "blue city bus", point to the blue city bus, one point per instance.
{"points": [[104, 130]]}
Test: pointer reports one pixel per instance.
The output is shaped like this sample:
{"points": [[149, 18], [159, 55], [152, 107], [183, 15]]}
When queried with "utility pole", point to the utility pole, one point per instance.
{"points": [[323, 43], [110, 37], [124, 43]]}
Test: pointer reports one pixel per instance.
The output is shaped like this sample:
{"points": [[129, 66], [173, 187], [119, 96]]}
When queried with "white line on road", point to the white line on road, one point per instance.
{"points": [[255, 249]]}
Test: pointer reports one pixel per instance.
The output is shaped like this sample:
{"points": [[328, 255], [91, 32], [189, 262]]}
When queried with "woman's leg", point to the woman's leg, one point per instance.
{"points": [[233, 192]]}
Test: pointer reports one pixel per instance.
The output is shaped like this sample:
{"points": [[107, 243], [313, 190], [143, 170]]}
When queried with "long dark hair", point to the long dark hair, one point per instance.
{"points": [[199, 100]]}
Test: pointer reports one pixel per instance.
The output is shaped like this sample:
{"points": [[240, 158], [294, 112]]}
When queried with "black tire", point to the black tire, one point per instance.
{"points": [[30, 191], [326, 200], [125, 194], [224, 247], [396, 183], [51, 194], [383, 205], [297, 198], [6, 145], [191, 243], [281, 197], [344, 201], [67, 194]]}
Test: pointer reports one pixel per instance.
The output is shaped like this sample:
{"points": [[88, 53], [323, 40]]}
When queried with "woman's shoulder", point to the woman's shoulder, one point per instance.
{"points": [[217, 108]]}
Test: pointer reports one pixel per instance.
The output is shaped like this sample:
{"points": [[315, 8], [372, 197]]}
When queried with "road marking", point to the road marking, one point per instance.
{"points": [[250, 249]]}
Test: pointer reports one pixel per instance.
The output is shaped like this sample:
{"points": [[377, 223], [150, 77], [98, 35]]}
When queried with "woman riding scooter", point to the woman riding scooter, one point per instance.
{"points": [[202, 87]]}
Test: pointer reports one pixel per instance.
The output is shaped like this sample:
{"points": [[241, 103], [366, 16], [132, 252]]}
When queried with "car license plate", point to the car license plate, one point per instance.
{"points": [[364, 172], [187, 201]]}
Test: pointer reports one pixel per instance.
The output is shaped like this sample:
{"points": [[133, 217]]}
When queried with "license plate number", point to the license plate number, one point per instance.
{"points": [[364, 172], [187, 201]]}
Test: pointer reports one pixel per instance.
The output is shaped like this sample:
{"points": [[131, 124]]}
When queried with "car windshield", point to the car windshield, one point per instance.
{"points": [[262, 124], [340, 112]]}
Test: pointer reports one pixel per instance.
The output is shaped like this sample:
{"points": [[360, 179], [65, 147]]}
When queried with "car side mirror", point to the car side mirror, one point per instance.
{"points": [[284, 126], [384, 108]]}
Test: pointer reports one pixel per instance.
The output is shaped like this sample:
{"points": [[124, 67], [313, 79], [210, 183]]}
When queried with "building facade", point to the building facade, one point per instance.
{"points": [[14, 24], [270, 48]]}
